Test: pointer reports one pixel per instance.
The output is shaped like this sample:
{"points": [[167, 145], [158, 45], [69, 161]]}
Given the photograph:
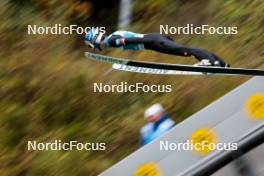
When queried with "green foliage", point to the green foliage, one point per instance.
{"points": [[46, 85]]}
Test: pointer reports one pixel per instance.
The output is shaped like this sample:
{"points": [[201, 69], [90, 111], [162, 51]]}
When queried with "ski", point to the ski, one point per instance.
{"points": [[162, 68], [128, 68]]}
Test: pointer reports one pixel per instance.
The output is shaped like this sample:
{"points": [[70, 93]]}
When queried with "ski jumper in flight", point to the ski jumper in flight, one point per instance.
{"points": [[152, 41]]}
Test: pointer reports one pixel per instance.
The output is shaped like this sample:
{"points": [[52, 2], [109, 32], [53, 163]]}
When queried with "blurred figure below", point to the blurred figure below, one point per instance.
{"points": [[127, 40], [159, 123]]}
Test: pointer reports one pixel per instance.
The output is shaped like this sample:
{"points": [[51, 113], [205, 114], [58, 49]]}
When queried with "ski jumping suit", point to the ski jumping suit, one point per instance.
{"points": [[157, 42]]}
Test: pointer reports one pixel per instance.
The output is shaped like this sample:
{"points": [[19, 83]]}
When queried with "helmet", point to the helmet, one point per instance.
{"points": [[94, 37], [154, 109]]}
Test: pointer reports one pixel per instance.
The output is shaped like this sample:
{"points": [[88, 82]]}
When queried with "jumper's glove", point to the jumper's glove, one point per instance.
{"points": [[116, 41]]}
